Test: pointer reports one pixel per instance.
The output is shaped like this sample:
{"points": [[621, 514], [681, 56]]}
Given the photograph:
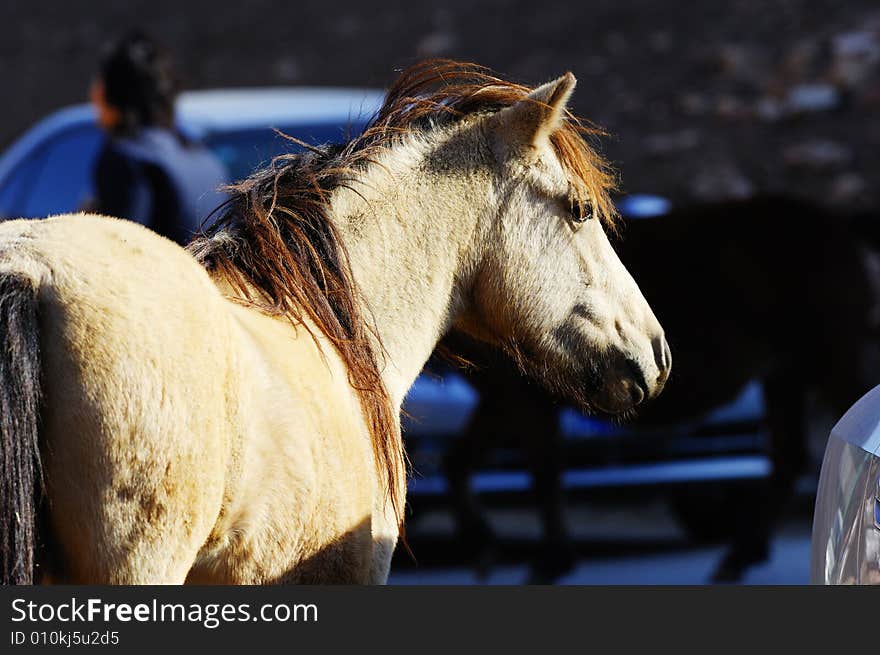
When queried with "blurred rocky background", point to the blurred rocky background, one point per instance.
{"points": [[704, 100]]}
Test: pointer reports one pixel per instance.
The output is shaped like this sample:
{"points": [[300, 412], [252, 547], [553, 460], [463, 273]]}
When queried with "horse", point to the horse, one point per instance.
{"points": [[229, 413], [771, 278]]}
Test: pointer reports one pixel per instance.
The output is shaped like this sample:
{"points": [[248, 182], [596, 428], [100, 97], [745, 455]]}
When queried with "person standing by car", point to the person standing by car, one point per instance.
{"points": [[147, 171]]}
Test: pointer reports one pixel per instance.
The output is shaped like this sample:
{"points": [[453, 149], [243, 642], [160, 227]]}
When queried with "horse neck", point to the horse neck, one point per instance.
{"points": [[413, 238]]}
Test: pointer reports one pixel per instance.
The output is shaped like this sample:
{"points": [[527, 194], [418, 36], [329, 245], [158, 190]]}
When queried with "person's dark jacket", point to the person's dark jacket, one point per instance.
{"points": [[159, 180]]}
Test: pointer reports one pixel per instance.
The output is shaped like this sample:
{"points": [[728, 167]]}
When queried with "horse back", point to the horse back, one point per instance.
{"points": [[186, 436], [134, 420]]}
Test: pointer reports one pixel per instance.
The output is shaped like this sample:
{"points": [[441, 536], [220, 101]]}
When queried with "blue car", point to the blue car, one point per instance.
{"points": [[49, 171]]}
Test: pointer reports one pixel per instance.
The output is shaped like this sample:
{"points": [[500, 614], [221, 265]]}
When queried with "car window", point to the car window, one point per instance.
{"points": [[243, 151], [56, 178]]}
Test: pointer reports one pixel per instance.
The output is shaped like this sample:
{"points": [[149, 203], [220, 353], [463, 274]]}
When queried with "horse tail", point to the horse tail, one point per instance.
{"points": [[20, 466]]}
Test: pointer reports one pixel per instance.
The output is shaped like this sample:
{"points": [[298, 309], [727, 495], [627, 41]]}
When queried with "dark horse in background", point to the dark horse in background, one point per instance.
{"points": [[770, 289]]}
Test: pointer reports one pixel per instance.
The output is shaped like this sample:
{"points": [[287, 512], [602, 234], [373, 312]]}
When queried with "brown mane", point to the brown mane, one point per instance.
{"points": [[277, 245]]}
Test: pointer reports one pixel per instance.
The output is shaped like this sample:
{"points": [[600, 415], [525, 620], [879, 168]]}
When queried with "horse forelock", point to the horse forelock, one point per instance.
{"points": [[276, 243]]}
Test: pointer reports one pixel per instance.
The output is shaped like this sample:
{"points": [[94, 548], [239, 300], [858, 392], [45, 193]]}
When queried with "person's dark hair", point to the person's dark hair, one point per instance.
{"points": [[140, 81]]}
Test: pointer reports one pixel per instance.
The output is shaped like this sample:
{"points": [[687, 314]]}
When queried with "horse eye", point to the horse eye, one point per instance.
{"points": [[581, 212]]}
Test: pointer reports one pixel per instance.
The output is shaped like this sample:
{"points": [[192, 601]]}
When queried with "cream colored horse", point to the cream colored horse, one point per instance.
{"points": [[189, 419]]}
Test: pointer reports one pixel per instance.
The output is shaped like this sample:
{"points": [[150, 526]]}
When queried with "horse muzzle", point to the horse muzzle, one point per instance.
{"points": [[634, 376]]}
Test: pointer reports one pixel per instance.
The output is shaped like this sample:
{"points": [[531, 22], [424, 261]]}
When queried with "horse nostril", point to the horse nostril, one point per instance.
{"points": [[640, 389], [662, 355], [636, 393]]}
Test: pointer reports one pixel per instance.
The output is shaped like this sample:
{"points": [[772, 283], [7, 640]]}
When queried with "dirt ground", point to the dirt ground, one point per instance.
{"points": [[701, 100]]}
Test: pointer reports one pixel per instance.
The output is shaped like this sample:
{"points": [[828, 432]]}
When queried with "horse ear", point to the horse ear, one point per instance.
{"points": [[522, 126]]}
